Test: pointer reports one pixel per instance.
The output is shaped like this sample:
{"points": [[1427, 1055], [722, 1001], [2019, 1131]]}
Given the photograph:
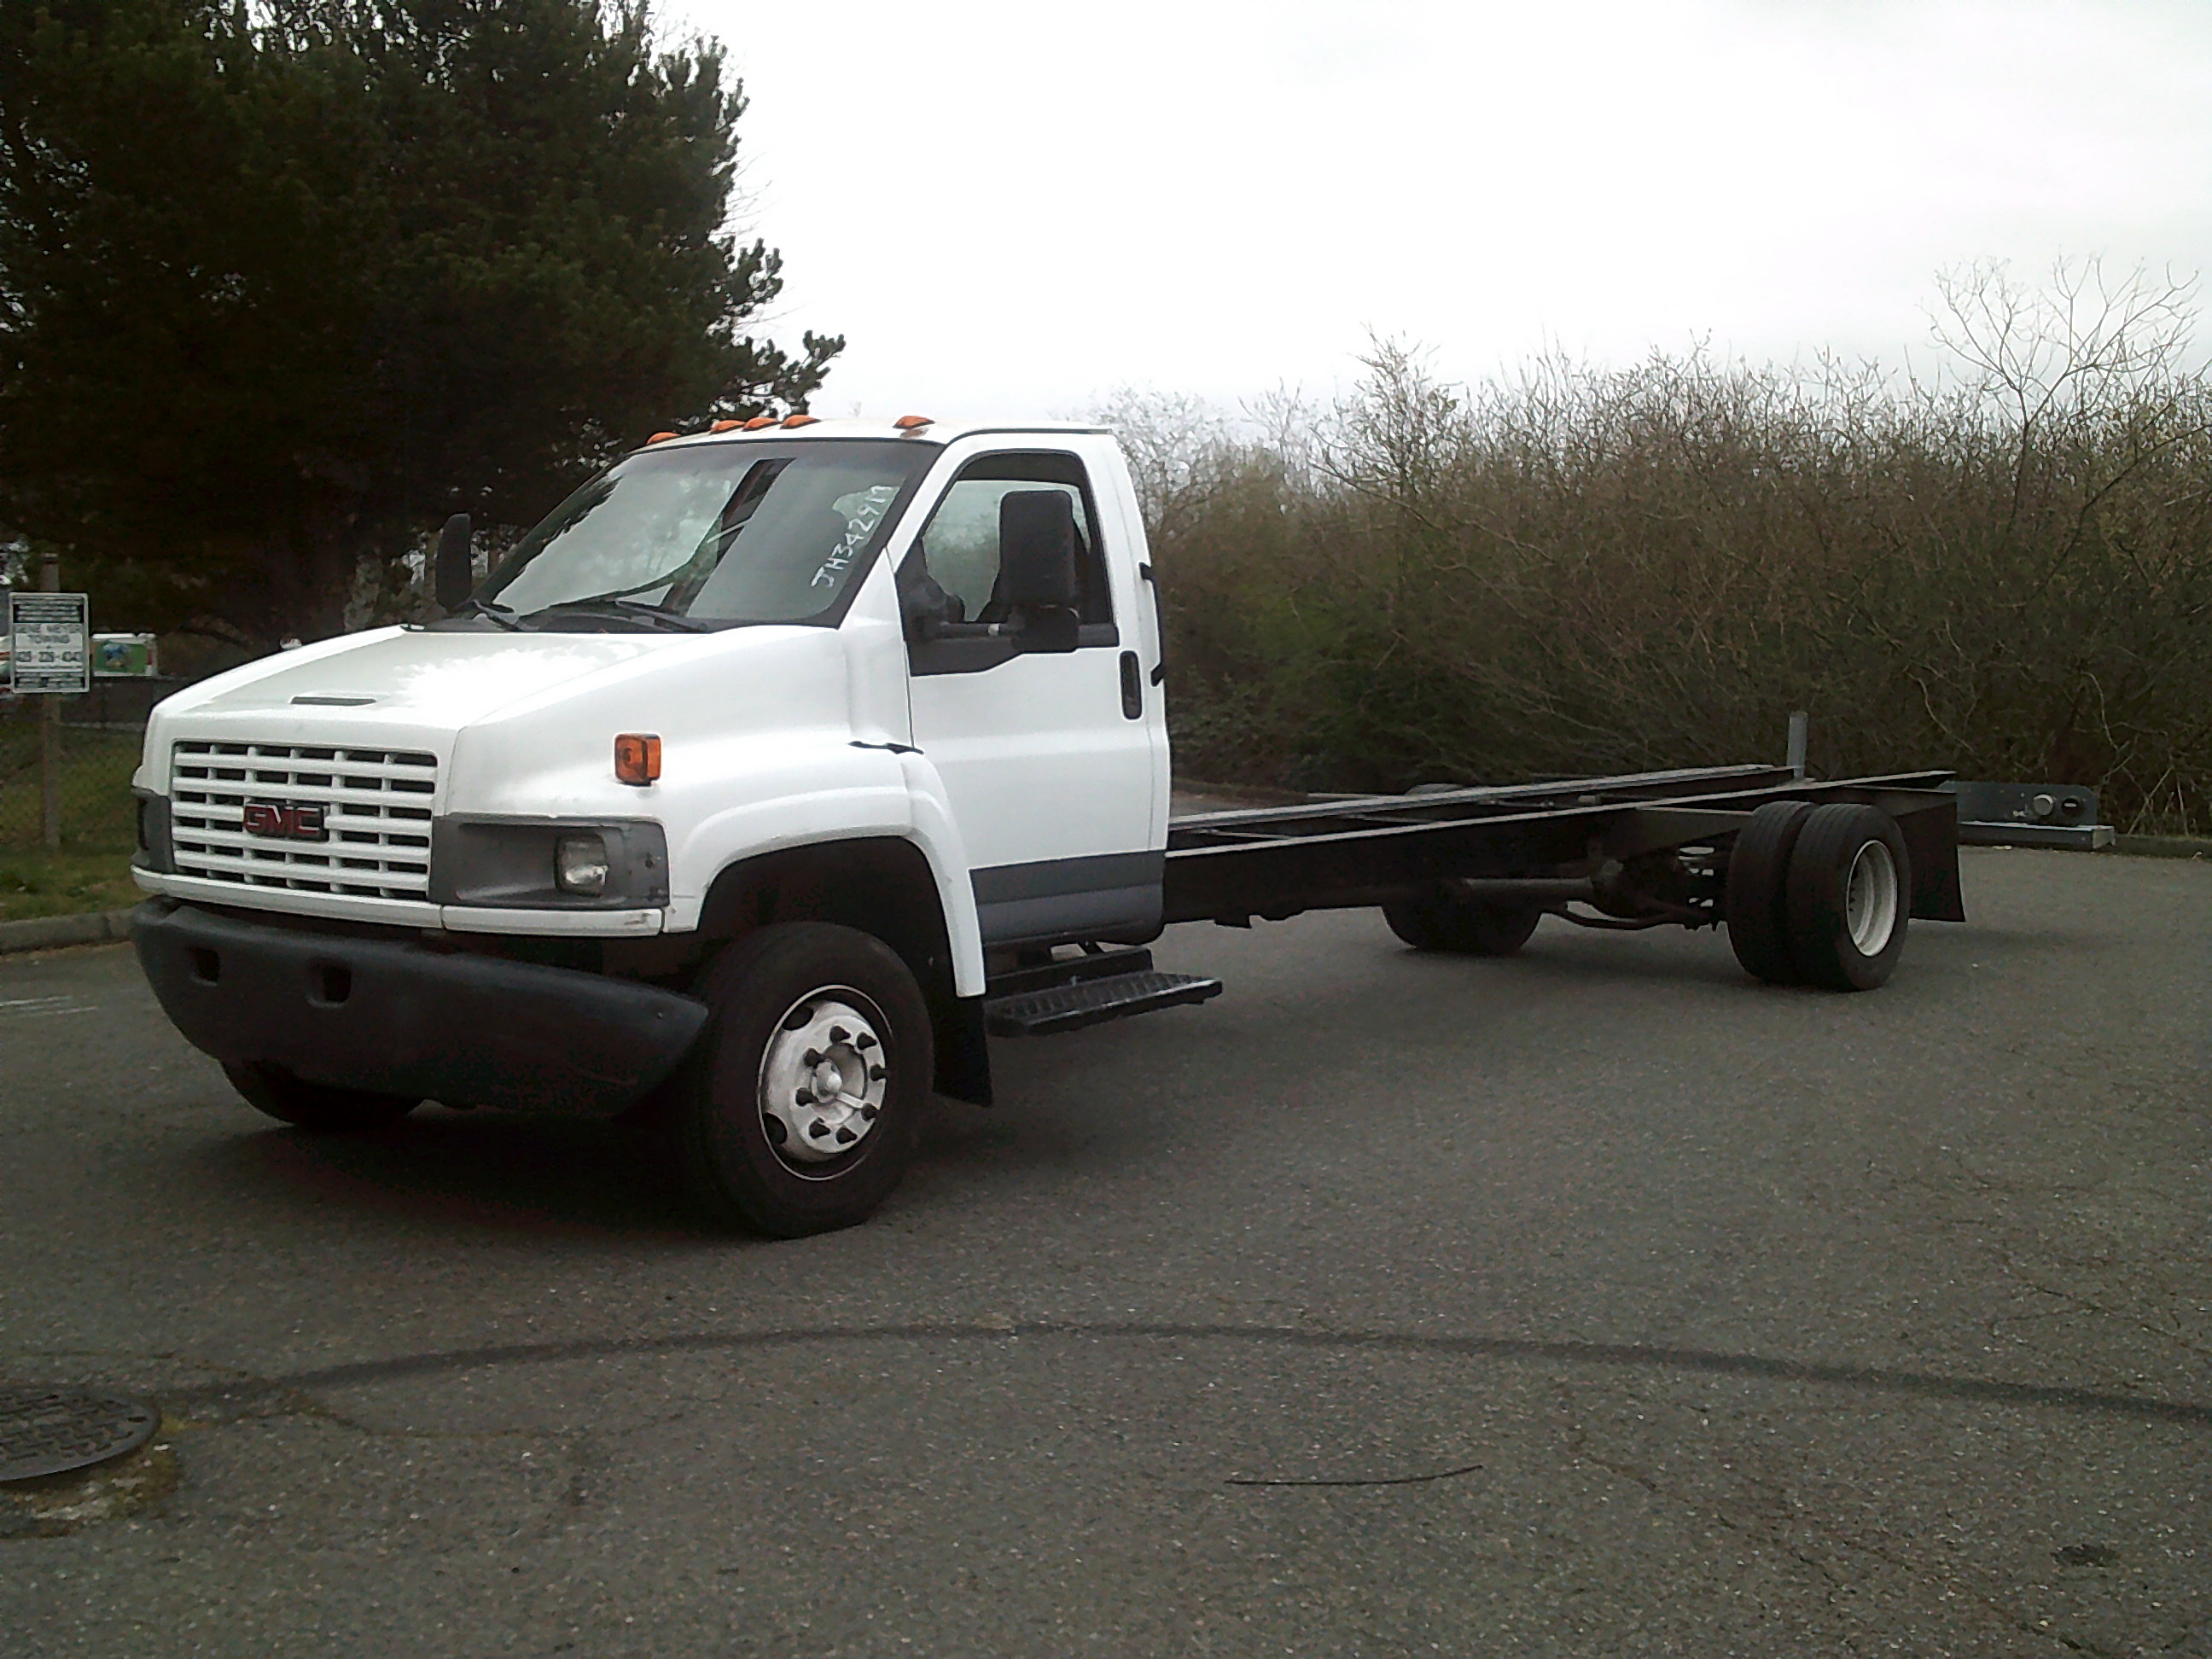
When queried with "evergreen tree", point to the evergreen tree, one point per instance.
{"points": [[281, 288]]}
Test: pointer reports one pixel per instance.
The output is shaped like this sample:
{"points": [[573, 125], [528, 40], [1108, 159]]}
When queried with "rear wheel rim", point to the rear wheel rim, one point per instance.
{"points": [[1870, 898], [823, 1078]]}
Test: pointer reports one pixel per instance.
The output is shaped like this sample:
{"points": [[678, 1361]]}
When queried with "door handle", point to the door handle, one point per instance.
{"points": [[1132, 687]]}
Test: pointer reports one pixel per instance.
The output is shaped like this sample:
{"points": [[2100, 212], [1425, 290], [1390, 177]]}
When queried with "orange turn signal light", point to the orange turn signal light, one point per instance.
{"points": [[660, 437], [726, 426], [637, 758], [758, 421], [913, 423], [800, 420]]}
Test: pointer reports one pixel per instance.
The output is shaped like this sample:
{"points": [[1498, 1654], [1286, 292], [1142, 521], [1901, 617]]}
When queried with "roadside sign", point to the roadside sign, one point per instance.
{"points": [[48, 641], [117, 655]]}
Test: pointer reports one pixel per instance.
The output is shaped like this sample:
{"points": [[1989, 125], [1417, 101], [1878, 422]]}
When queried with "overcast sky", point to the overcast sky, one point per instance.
{"points": [[1015, 209]]}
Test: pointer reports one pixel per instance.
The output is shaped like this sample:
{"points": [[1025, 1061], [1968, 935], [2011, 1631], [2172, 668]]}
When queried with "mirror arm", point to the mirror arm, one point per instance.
{"points": [[452, 570]]}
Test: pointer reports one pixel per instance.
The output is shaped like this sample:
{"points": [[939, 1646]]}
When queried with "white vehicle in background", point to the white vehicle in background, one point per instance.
{"points": [[783, 765]]}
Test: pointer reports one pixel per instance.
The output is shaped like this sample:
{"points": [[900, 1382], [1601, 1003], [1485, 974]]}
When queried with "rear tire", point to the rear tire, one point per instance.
{"points": [[1757, 876], [802, 1108], [1462, 927], [1849, 894], [316, 1107]]}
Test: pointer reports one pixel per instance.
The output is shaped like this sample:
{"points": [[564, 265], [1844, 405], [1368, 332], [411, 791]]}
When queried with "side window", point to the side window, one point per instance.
{"points": [[953, 570]]}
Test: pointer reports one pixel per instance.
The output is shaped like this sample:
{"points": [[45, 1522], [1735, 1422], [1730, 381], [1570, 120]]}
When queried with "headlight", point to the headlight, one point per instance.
{"points": [[580, 864], [527, 864]]}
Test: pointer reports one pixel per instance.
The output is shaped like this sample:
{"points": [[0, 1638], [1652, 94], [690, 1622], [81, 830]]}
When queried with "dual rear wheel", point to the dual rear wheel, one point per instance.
{"points": [[1819, 894]]}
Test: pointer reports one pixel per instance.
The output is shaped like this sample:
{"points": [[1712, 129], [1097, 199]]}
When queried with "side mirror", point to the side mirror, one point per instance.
{"points": [[1036, 567], [1036, 550], [454, 575]]}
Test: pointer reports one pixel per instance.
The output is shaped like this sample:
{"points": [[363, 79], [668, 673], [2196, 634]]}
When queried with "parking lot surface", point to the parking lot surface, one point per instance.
{"points": [[1598, 1301]]}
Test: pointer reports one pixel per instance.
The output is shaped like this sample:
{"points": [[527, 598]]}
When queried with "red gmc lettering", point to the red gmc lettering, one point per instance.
{"points": [[285, 822]]}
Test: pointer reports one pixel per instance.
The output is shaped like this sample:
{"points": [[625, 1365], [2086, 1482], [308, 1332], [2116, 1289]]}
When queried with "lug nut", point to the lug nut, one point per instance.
{"points": [[839, 1034], [813, 1057], [864, 1042], [867, 1114], [817, 1130], [804, 1099], [845, 1137], [877, 1074]]}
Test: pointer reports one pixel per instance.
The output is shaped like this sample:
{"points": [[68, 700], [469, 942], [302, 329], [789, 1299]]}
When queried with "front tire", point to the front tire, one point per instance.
{"points": [[802, 1108], [316, 1107]]}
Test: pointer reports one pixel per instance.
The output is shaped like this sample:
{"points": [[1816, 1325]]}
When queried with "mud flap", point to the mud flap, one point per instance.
{"points": [[963, 1050]]}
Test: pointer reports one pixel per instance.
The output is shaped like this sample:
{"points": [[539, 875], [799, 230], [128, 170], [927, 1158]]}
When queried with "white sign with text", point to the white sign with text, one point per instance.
{"points": [[48, 642]]}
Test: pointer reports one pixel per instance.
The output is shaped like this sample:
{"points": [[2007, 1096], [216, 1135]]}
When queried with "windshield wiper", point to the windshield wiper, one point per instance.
{"points": [[497, 613], [652, 615]]}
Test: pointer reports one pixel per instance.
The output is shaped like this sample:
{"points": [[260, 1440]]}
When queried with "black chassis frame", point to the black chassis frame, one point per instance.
{"points": [[1361, 851]]}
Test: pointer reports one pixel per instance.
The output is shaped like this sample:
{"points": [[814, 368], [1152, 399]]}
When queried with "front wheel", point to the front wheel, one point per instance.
{"points": [[315, 1106], [802, 1109]]}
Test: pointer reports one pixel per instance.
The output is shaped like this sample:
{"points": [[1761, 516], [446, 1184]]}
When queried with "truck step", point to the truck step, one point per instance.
{"points": [[1093, 1001]]}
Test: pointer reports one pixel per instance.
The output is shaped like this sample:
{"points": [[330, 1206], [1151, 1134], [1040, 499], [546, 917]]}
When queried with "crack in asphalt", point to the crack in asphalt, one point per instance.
{"points": [[2089, 1304], [1632, 1355], [1379, 1480], [1776, 1529]]}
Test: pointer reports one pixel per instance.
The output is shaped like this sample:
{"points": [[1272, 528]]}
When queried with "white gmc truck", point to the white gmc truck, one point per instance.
{"points": [[785, 764]]}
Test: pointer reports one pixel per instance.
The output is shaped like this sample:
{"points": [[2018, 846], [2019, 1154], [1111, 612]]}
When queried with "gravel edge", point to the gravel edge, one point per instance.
{"points": [[2162, 847]]}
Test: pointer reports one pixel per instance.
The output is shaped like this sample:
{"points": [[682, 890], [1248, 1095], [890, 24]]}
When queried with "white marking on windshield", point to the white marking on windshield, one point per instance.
{"points": [[861, 521]]}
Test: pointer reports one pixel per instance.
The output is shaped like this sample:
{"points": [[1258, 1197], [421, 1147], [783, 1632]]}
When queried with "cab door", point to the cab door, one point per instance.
{"points": [[1048, 757]]}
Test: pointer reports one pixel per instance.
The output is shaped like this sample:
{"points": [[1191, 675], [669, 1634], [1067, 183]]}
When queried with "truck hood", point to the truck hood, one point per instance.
{"points": [[441, 679]]}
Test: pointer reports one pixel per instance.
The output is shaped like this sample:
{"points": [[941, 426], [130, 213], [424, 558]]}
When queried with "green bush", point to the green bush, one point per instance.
{"points": [[2005, 570]]}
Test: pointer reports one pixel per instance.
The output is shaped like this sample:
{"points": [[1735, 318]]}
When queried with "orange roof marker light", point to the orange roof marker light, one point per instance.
{"points": [[726, 426], [758, 421], [913, 423], [660, 437], [801, 420], [637, 758]]}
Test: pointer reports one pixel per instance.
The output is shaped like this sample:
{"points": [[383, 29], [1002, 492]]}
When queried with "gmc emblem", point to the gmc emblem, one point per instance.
{"points": [[286, 823]]}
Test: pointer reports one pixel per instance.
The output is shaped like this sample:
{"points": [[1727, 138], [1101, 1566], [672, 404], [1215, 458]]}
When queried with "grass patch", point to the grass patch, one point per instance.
{"points": [[65, 884]]}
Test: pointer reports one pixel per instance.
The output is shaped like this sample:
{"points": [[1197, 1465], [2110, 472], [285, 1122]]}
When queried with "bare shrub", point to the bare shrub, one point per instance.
{"points": [[2004, 567]]}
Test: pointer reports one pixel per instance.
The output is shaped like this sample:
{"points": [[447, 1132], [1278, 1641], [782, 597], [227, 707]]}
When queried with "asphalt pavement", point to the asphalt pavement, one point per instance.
{"points": [[1596, 1302]]}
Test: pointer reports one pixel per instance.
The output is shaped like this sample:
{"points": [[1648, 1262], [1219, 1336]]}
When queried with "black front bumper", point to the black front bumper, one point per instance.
{"points": [[395, 1018]]}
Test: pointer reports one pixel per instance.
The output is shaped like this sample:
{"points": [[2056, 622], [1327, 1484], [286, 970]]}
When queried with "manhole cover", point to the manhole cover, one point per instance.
{"points": [[51, 1432]]}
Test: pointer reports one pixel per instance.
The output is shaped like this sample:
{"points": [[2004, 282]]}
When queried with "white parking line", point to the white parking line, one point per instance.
{"points": [[37, 1007]]}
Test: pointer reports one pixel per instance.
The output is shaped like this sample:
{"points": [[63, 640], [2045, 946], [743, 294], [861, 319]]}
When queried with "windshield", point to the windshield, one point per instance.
{"points": [[738, 532]]}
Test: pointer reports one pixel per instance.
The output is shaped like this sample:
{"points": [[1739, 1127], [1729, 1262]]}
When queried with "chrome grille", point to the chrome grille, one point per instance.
{"points": [[376, 817]]}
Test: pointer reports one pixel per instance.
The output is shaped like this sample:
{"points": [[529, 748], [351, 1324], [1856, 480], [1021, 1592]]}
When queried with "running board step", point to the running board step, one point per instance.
{"points": [[1093, 1001]]}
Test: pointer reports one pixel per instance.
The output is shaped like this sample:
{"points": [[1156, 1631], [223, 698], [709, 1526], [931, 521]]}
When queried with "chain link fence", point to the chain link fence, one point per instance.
{"points": [[98, 741]]}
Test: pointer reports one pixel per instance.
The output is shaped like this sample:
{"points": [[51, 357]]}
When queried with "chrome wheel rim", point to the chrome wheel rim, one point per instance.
{"points": [[822, 1080], [1870, 899]]}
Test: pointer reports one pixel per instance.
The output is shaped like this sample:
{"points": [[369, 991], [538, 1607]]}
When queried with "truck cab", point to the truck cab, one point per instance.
{"points": [[874, 704]]}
